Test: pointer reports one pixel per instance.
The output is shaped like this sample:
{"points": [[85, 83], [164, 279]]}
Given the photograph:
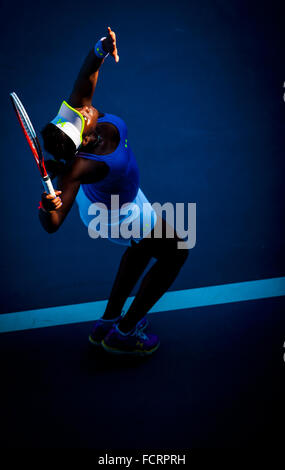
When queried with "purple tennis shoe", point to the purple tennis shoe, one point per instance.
{"points": [[135, 342], [102, 327]]}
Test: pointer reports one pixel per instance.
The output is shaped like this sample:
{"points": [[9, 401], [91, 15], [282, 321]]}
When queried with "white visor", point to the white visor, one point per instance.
{"points": [[71, 122]]}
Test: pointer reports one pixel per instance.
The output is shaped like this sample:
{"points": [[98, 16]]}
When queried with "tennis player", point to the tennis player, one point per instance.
{"points": [[93, 162]]}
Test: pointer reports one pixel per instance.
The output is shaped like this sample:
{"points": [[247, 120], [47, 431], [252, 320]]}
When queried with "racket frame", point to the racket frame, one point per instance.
{"points": [[33, 141]]}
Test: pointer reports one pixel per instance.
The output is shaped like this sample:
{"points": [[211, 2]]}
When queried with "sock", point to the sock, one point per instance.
{"points": [[125, 334], [111, 320]]}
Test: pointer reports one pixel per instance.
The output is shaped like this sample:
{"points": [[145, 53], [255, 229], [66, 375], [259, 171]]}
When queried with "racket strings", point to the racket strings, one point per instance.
{"points": [[30, 132]]}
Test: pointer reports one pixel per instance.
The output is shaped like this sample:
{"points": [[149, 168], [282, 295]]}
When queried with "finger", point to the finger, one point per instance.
{"points": [[50, 196], [112, 33], [115, 55]]}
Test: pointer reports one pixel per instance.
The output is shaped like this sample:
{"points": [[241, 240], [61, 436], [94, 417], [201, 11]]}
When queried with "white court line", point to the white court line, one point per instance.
{"points": [[173, 300]]}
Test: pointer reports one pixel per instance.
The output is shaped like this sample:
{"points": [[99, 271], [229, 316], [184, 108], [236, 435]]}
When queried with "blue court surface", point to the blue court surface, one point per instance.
{"points": [[215, 382], [200, 86]]}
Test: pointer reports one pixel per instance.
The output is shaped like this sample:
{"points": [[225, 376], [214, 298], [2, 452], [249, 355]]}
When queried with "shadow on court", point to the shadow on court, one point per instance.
{"points": [[215, 382]]}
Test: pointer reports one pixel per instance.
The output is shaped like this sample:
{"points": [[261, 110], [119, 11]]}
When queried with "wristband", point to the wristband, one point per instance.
{"points": [[98, 49]]}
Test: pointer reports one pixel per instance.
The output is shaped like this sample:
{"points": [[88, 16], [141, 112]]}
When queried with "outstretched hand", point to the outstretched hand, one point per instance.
{"points": [[109, 44]]}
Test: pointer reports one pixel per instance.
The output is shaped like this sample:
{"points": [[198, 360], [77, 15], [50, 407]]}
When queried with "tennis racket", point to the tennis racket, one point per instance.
{"points": [[33, 141]]}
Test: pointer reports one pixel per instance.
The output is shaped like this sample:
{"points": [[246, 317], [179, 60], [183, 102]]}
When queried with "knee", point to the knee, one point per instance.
{"points": [[176, 251], [181, 252]]}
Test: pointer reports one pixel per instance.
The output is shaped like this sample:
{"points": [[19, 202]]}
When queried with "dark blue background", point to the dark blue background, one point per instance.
{"points": [[200, 86]]}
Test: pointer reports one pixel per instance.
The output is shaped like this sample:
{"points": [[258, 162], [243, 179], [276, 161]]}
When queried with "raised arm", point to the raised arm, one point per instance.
{"points": [[86, 81]]}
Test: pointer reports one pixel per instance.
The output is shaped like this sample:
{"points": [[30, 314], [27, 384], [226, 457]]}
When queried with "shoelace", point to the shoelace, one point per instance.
{"points": [[140, 334], [137, 332]]}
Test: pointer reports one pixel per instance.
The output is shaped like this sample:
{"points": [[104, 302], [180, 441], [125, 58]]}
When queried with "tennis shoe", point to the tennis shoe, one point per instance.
{"points": [[102, 327], [135, 342]]}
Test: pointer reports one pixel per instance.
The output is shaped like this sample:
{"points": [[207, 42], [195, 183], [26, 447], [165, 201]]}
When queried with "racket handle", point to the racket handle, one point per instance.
{"points": [[48, 185]]}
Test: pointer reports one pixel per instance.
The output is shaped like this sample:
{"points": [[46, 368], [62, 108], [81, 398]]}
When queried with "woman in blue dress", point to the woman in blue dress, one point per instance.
{"points": [[94, 164]]}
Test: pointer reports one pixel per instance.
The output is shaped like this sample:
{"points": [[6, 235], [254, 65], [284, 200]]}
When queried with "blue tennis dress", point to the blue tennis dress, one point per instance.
{"points": [[130, 216]]}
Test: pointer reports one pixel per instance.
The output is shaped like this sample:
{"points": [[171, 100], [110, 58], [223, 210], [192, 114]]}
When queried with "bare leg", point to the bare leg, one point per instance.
{"points": [[159, 278], [132, 265]]}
